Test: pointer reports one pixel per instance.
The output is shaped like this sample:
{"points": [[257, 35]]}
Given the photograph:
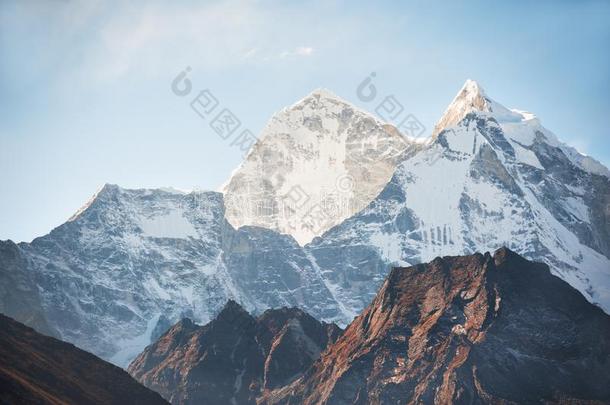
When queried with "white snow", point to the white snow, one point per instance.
{"points": [[131, 347], [316, 163], [437, 179], [155, 289], [171, 225]]}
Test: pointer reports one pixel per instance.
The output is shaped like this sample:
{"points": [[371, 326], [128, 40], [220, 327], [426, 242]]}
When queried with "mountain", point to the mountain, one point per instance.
{"points": [[131, 263], [465, 330], [110, 277], [494, 177], [316, 163], [36, 369], [234, 357]]}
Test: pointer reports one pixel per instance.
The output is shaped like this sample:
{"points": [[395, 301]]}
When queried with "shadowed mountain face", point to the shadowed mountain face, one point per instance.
{"points": [[36, 369], [234, 358], [465, 330], [19, 295]]}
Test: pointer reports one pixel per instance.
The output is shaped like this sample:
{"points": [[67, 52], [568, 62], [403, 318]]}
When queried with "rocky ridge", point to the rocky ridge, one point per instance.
{"points": [[234, 358]]}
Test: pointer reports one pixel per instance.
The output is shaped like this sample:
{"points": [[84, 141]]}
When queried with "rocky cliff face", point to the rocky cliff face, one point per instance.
{"points": [[234, 358], [36, 369], [474, 329]]}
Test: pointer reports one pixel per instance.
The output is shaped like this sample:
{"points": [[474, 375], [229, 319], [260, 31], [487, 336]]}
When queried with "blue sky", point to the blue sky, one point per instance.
{"points": [[85, 93]]}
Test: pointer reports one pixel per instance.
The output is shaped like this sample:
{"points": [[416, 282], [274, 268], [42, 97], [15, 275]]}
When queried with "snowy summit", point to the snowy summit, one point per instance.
{"points": [[316, 163]]}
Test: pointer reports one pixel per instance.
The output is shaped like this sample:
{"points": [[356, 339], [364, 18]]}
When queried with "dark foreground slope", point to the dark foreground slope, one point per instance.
{"points": [[232, 359], [465, 330], [37, 369]]}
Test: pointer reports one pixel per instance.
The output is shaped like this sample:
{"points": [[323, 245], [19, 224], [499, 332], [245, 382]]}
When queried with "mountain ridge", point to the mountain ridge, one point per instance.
{"points": [[234, 357], [134, 262], [469, 329]]}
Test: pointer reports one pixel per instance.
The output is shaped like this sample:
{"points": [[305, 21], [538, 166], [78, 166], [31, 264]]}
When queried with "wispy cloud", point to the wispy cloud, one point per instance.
{"points": [[299, 51], [250, 53], [114, 41]]}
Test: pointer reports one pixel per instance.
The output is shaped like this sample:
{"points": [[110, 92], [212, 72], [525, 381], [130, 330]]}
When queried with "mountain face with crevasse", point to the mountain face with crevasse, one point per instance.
{"points": [[477, 329], [131, 263]]}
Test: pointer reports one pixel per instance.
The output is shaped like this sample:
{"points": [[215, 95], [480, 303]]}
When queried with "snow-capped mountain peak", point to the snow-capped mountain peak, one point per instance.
{"points": [[496, 177], [320, 100], [91, 200], [131, 262], [472, 98], [316, 163], [324, 93], [472, 92]]}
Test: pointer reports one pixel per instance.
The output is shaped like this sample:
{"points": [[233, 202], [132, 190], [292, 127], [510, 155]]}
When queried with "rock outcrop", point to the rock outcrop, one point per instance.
{"points": [[477, 329], [234, 358]]}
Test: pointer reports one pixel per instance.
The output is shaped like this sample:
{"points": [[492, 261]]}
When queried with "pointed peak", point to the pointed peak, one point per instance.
{"points": [[322, 92], [320, 95], [235, 316], [184, 324], [231, 305], [470, 98], [472, 89], [504, 254], [109, 186], [324, 99], [232, 308], [106, 189]]}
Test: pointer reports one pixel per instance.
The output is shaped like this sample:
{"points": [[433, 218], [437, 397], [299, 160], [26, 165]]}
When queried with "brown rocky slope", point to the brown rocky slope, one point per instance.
{"points": [[37, 369], [477, 329], [232, 359]]}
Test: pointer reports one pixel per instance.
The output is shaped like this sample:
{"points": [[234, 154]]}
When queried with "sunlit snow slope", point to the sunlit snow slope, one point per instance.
{"points": [[493, 177], [316, 163]]}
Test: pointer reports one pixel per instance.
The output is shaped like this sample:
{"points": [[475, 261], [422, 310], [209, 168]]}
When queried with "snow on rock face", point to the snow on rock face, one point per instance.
{"points": [[495, 178], [127, 262], [521, 126], [170, 225], [133, 262], [316, 163]]}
